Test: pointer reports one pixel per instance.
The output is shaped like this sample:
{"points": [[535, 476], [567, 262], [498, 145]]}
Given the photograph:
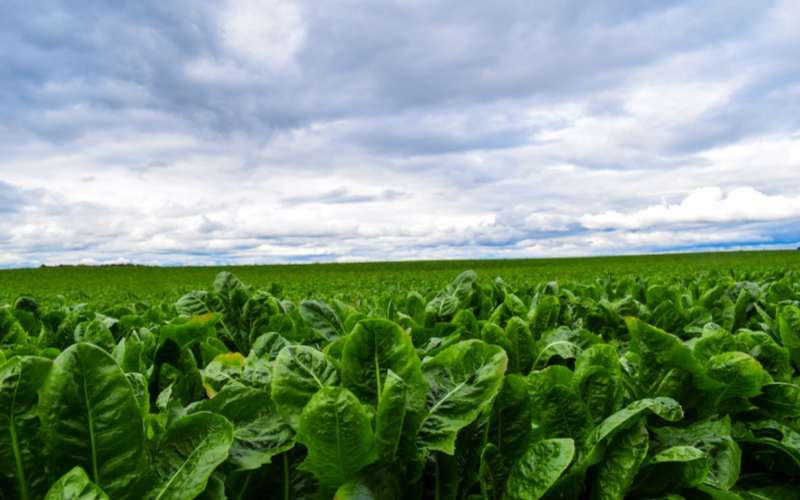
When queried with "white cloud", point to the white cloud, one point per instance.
{"points": [[703, 205], [264, 33]]}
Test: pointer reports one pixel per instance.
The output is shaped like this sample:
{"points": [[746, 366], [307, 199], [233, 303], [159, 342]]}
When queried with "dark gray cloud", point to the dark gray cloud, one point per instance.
{"points": [[68, 70]]}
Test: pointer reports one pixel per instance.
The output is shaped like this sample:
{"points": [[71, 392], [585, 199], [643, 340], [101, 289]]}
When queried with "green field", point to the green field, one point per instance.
{"points": [[300, 281], [644, 377]]}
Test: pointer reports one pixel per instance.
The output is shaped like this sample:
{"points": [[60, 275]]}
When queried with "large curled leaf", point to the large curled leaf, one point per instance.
{"points": [[625, 455], [259, 433], [660, 351], [463, 381], [224, 369], [188, 453], [193, 304], [599, 378], [90, 417], [742, 375], [298, 373], [539, 469], [778, 400], [374, 347], [672, 469], [712, 437], [666, 408], [556, 405], [322, 318], [96, 332], [21, 464], [338, 435], [185, 332], [75, 485]]}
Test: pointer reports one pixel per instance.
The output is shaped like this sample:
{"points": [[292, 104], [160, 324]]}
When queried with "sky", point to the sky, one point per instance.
{"points": [[250, 131]]}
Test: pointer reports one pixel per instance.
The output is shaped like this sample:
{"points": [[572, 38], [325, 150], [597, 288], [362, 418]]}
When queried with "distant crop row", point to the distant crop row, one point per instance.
{"points": [[626, 387]]}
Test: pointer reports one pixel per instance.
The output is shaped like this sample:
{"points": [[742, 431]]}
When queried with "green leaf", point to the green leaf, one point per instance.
{"points": [[672, 469], [599, 377], [775, 441], [188, 453], [778, 400], [259, 433], [626, 453], [660, 351], [224, 369], [193, 304], [390, 418], [95, 332], [712, 437], [11, 332], [742, 375], [558, 410], [336, 430], [545, 315], [520, 357], [185, 332], [90, 417], [322, 318], [354, 491], [298, 373], [268, 345], [539, 469], [510, 423], [509, 435], [226, 283], [492, 472], [463, 381], [789, 329], [75, 485], [666, 408], [373, 348], [21, 465]]}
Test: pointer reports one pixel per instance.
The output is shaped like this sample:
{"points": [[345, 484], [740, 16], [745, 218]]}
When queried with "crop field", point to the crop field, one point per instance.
{"points": [[670, 377]]}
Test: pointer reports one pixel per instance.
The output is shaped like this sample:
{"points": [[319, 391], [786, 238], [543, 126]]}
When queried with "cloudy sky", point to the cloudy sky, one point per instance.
{"points": [[276, 131]]}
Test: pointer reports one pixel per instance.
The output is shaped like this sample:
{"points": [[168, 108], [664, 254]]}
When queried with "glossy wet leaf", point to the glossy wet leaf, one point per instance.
{"points": [[188, 453], [667, 409], [539, 469], [556, 405], [322, 318], [337, 432], [185, 332], [90, 417], [373, 348], [259, 432], [463, 381], [627, 451], [75, 485], [21, 461], [298, 373]]}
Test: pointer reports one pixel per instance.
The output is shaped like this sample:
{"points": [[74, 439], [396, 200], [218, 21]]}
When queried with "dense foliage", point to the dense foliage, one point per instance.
{"points": [[618, 387]]}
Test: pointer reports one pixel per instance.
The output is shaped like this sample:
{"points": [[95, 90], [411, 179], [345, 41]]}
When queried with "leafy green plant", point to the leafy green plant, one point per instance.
{"points": [[646, 386]]}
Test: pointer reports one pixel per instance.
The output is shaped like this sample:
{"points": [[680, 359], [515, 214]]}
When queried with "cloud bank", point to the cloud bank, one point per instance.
{"points": [[276, 131]]}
